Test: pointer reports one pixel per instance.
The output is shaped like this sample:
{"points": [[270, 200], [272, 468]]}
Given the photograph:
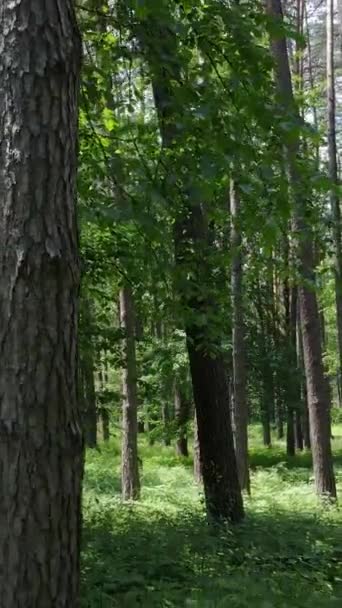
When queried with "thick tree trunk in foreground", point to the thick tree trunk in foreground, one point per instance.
{"points": [[219, 470], [333, 174], [129, 457], [41, 447], [240, 410], [318, 398], [182, 417]]}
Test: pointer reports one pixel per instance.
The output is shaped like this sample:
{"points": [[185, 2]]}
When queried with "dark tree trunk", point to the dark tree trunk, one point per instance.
{"points": [[166, 423], [87, 380], [267, 383], [279, 414], [265, 414], [182, 418], [105, 418], [290, 432], [208, 373], [299, 431], [240, 410], [105, 424], [197, 455], [41, 447], [129, 458], [318, 398]]}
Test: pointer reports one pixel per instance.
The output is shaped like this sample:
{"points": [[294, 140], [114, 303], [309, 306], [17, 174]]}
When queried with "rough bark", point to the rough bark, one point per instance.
{"points": [[240, 411], [129, 456], [318, 399], [219, 470], [333, 174], [41, 447]]}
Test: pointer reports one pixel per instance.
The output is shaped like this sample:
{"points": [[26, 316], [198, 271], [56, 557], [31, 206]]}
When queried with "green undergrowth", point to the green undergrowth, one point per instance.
{"points": [[162, 553]]}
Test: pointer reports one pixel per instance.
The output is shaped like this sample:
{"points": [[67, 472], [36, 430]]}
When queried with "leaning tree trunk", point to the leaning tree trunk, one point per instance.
{"points": [[129, 457], [333, 174], [208, 373], [41, 447], [240, 410], [318, 398]]}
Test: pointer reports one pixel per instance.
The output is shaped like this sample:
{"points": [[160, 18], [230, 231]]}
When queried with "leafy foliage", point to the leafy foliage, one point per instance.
{"points": [[162, 552]]}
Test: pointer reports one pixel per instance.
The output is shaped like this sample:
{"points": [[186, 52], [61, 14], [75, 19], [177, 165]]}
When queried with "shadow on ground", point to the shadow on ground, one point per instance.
{"points": [[135, 556]]}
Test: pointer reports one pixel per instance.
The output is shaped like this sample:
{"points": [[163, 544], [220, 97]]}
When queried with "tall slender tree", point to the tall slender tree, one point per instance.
{"points": [[129, 458], [238, 343], [41, 447], [318, 397], [192, 250], [333, 174]]}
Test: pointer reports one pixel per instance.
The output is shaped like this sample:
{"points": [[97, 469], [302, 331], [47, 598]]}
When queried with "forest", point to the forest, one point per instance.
{"points": [[170, 303]]}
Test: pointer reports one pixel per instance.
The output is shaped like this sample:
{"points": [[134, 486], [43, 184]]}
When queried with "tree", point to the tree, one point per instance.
{"points": [[41, 448], [129, 459], [207, 365], [333, 174], [87, 394], [182, 418], [238, 343], [318, 398]]}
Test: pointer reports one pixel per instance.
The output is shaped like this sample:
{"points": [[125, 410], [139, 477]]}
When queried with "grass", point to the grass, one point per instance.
{"points": [[162, 553]]}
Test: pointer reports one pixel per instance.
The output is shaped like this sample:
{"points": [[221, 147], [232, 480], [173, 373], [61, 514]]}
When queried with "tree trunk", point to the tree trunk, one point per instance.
{"points": [[265, 412], [240, 410], [41, 447], [318, 399], [333, 174], [105, 424], [299, 431], [267, 392], [304, 397], [208, 373], [89, 400], [197, 455], [129, 457], [166, 422], [106, 412], [87, 381], [182, 417]]}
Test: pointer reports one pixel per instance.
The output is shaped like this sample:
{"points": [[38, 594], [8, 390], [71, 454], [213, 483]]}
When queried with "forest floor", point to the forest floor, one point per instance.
{"points": [[161, 553]]}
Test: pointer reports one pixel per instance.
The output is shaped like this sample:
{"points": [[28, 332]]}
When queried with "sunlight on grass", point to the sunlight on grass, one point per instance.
{"points": [[161, 552]]}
